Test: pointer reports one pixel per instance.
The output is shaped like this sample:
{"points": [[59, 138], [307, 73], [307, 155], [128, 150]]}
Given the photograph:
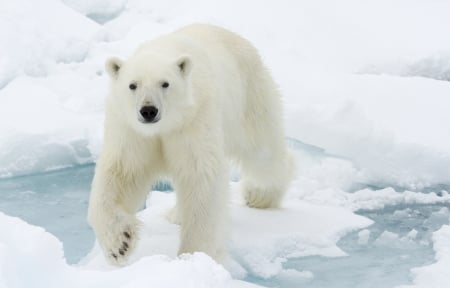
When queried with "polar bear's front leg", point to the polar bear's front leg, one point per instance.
{"points": [[202, 209], [112, 212], [200, 178], [202, 227]]}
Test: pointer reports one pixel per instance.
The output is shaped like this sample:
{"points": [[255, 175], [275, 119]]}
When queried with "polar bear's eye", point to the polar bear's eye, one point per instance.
{"points": [[165, 84], [132, 86]]}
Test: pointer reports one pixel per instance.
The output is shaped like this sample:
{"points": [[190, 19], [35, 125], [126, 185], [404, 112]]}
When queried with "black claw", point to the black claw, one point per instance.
{"points": [[121, 252], [114, 255], [127, 235], [125, 245]]}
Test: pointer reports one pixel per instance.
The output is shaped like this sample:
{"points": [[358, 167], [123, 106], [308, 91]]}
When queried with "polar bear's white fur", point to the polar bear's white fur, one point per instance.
{"points": [[182, 106]]}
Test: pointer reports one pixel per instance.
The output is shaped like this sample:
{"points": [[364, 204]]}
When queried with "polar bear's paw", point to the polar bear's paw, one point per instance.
{"points": [[261, 198], [120, 238]]}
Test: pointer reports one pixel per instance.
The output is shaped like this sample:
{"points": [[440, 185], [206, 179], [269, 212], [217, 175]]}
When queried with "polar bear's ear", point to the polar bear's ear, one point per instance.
{"points": [[113, 66], [184, 63]]}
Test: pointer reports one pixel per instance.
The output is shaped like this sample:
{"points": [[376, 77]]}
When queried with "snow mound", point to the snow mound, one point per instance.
{"points": [[33, 39], [393, 129], [368, 199], [435, 66], [436, 274], [31, 251]]}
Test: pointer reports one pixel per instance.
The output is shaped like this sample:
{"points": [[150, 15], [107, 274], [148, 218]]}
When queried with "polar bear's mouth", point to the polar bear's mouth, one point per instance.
{"points": [[149, 114]]}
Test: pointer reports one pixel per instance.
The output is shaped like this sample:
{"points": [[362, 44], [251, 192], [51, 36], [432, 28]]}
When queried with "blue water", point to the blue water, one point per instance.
{"points": [[58, 201]]}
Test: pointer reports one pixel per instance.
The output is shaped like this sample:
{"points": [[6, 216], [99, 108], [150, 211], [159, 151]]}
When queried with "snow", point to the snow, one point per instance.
{"points": [[368, 199], [34, 41], [436, 274], [366, 94], [340, 98], [99, 11], [258, 249], [33, 252], [397, 121]]}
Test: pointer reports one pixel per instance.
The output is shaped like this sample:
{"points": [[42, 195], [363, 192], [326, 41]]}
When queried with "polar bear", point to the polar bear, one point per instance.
{"points": [[182, 106]]}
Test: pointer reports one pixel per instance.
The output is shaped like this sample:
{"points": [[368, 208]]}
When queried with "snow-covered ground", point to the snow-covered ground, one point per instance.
{"points": [[366, 88]]}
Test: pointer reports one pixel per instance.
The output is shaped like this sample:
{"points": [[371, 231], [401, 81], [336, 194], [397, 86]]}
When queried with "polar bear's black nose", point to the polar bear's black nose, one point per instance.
{"points": [[149, 113]]}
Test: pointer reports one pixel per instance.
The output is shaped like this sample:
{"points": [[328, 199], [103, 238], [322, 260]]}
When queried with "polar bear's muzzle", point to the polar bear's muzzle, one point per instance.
{"points": [[149, 114]]}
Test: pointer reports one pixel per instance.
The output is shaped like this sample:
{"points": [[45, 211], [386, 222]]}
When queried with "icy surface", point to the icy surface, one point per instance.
{"points": [[436, 274], [31, 257], [308, 243], [55, 200], [366, 92]]}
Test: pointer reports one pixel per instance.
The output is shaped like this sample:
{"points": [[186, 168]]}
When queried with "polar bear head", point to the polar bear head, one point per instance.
{"points": [[153, 92]]}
